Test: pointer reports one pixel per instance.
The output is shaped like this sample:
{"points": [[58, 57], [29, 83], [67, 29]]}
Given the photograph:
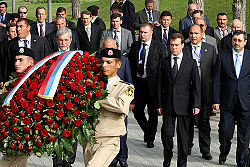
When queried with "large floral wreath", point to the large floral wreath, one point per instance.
{"points": [[33, 124]]}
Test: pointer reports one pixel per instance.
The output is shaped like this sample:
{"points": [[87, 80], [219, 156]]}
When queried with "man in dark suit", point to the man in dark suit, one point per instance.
{"points": [[205, 56], [222, 29], [41, 27], [163, 33], [145, 57], [231, 97], [178, 83], [89, 35], [61, 23], [148, 14], [4, 17], [61, 11], [23, 13], [95, 17]]}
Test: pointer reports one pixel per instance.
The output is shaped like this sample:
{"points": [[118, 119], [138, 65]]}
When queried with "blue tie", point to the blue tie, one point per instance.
{"points": [[150, 17], [237, 65]]}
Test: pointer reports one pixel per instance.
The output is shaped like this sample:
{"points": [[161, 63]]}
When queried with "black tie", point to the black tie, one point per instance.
{"points": [[25, 43], [1, 17], [150, 17], [175, 67], [116, 38], [142, 60], [165, 38]]}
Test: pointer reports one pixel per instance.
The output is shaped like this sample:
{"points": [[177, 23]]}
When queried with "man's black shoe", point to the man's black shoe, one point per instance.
{"points": [[123, 164], [207, 156], [189, 151], [113, 164], [222, 159], [240, 165], [150, 144]]}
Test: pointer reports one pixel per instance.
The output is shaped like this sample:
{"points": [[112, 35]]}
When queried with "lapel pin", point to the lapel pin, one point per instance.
{"points": [[205, 50]]}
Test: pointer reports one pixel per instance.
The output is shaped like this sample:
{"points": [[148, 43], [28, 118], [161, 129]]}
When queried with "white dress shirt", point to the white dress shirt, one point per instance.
{"points": [[146, 56], [179, 59], [38, 27], [119, 34], [162, 30], [22, 44], [221, 32]]}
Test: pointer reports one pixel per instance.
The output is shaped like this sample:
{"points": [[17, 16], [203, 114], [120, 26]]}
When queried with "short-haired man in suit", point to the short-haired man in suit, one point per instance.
{"points": [[222, 29], [23, 13], [231, 97], [4, 17], [41, 27], [178, 83], [145, 57], [147, 15], [162, 33], [89, 35], [205, 56], [122, 36], [95, 17], [61, 11]]}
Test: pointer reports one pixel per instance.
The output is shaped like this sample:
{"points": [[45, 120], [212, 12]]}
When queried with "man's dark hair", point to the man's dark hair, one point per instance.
{"points": [[86, 12], [238, 32], [13, 16], [117, 7], [60, 9], [198, 11], [22, 7], [40, 7], [93, 9], [10, 25], [4, 3], [221, 14], [166, 13], [23, 19], [115, 15], [175, 36], [149, 1]]}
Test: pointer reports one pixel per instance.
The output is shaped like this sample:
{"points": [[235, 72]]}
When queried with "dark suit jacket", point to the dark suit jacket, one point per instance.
{"points": [[226, 42], [156, 53], [69, 24], [6, 21], [4, 77], [142, 17], [157, 35], [208, 58], [49, 28], [124, 72], [98, 21], [226, 85], [95, 38], [174, 94]]}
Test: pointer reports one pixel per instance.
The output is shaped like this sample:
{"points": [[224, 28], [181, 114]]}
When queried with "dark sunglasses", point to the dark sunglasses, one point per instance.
{"points": [[23, 12]]}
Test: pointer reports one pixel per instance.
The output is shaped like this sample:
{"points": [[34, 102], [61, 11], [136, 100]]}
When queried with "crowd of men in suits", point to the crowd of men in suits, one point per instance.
{"points": [[177, 74]]}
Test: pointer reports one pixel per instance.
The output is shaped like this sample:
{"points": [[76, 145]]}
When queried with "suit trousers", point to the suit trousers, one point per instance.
{"points": [[102, 152], [14, 161], [204, 129], [167, 134], [143, 98], [122, 156], [226, 130]]}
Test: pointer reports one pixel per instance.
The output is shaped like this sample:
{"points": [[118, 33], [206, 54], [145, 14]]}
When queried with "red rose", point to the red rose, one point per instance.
{"points": [[30, 110], [71, 75], [12, 146], [21, 115], [93, 85], [92, 58], [89, 95], [13, 108], [39, 106], [61, 79], [87, 82], [64, 73], [66, 133], [77, 81], [14, 120], [33, 85], [66, 81], [75, 111], [34, 138], [67, 96], [98, 93], [95, 69], [35, 91], [78, 122], [27, 137], [2, 131], [38, 126], [29, 149], [95, 78], [101, 84], [52, 139], [59, 97], [84, 115], [88, 74], [20, 147], [39, 143], [80, 89], [37, 116], [79, 75], [60, 106], [86, 54], [42, 101], [6, 123], [26, 120], [77, 54], [82, 103], [66, 120], [14, 129], [69, 105], [79, 66], [10, 114], [32, 103], [17, 138], [76, 99], [5, 134], [50, 102], [60, 113], [44, 132], [72, 70], [72, 86], [26, 129], [72, 64], [55, 127], [30, 95], [24, 104], [88, 67], [97, 61], [49, 121], [50, 112]]}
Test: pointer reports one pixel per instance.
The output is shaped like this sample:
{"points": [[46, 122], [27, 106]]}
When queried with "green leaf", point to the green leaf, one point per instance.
{"points": [[67, 146], [49, 148], [97, 105], [80, 137], [57, 149]]}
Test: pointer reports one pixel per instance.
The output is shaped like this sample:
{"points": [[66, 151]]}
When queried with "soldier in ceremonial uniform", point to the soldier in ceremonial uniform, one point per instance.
{"points": [[114, 109], [24, 59]]}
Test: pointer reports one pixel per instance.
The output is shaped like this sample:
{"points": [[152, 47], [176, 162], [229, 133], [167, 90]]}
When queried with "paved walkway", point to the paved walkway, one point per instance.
{"points": [[141, 156]]}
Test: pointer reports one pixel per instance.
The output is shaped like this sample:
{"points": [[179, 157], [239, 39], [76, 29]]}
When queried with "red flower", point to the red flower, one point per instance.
{"points": [[32, 103], [12, 146], [17, 138], [77, 81], [20, 147], [6, 123], [92, 58], [78, 122], [13, 108], [72, 70], [93, 85], [71, 75], [59, 97], [52, 139], [95, 78], [29, 149], [80, 89], [61, 79], [39, 143], [26, 129], [30, 110], [44, 132], [76, 99], [42, 100], [69, 105], [60, 106], [14, 120], [50, 102], [10, 114], [26, 120], [66, 133], [14, 129], [5, 134], [60, 113], [88, 74], [30, 95], [72, 86], [55, 127], [88, 67], [27, 137], [68, 96], [49, 121], [84, 115], [64, 73], [75, 111], [24, 104], [66, 81], [77, 54], [98, 93], [37, 116], [21, 115], [89, 95], [79, 66], [34, 138], [72, 64], [101, 84], [50, 112], [66, 120], [82, 103], [86, 54], [38, 126], [39, 106], [95, 69], [79, 75]]}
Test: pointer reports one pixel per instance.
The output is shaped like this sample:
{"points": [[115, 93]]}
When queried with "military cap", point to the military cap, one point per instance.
{"points": [[111, 53], [24, 51]]}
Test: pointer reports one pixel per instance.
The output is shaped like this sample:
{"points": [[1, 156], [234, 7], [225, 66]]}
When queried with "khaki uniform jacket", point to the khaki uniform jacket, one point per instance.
{"points": [[114, 109]]}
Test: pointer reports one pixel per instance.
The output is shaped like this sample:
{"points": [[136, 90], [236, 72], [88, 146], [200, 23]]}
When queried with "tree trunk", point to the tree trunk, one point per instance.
{"points": [[76, 9], [239, 11], [156, 4], [199, 3]]}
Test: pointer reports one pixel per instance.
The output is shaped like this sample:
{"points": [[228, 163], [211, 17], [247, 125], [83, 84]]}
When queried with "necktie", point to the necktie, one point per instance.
{"points": [[41, 30], [116, 38], [175, 67], [142, 60], [150, 17], [165, 37], [88, 32], [25, 43], [237, 65], [1, 17]]}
